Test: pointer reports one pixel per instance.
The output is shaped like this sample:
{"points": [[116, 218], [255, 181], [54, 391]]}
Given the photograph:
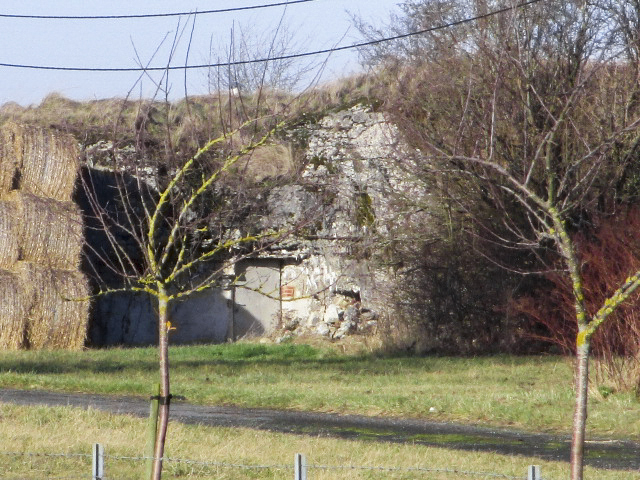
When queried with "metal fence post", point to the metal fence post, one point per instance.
{"points": [[534, 473], [300, 467], [152, 430], [97, 472]]}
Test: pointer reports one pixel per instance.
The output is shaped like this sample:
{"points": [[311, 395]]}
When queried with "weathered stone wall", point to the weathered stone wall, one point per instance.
{"points": [[324, 278], [348, 195]]}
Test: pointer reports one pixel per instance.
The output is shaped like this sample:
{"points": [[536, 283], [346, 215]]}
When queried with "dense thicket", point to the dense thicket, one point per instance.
{"points": [[545, 97], [609, 249], [536, 109]]}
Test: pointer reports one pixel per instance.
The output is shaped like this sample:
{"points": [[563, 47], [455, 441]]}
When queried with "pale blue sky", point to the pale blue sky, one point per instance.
{"points": [[318, 24]]}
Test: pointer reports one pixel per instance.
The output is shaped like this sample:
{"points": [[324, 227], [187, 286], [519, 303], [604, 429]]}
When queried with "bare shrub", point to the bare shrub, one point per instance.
{"points": [[608, 251]]}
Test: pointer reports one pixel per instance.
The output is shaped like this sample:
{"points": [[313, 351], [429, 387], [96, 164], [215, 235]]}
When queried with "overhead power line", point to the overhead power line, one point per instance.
{"points": [[150, 15], [271, 59]]}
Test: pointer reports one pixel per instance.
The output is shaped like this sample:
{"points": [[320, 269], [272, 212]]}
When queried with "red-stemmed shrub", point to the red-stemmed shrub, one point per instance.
{"points": [[609, 252]]}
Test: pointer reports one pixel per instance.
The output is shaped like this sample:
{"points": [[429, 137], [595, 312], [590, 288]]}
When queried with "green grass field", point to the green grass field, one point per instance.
{"points": [[532, 393]]}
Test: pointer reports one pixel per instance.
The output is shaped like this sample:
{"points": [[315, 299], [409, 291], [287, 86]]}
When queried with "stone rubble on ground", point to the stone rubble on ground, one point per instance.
{"points": [[337, 322]]}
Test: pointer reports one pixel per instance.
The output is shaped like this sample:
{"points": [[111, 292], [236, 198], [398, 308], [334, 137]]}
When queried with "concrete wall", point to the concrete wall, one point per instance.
{"points": [[252, 308], [257, 297], [122, 318], [326, 284], [203, 317], [126, 319]]}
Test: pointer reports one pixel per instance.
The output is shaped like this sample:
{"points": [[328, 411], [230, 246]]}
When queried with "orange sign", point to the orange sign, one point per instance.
{"points": [[287, 291]]}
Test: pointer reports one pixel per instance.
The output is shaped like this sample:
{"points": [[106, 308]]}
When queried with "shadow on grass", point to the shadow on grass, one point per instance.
{"points": [[235, 357]]}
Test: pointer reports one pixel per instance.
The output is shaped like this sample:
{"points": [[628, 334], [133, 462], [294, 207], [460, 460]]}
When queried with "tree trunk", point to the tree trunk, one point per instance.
{"points": [[582, 345], [163, 408], [580, 413]]}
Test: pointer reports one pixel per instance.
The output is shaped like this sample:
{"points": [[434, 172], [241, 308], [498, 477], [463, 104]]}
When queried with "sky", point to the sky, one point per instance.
{"points": [[125, 43]]}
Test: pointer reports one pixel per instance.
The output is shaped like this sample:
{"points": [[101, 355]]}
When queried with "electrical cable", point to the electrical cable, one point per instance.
{"points": [[150, 15], [271, 59]]}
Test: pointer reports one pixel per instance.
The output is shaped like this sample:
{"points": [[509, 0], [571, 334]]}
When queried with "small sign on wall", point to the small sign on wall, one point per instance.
{"points": [[287, 291]]}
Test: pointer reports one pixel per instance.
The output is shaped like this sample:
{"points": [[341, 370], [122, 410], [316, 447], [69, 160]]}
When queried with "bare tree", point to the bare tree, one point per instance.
{"points": [[159, 242], [419, 16], [244, 73], [535, 118], [172, 217]]}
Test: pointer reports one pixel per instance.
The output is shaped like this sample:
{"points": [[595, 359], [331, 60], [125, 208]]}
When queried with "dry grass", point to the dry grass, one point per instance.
{"points": [[190, 122], [345, 92], [49, 165], [16, 300], [87, 121], [60, 310], [224, 453], [267, 161], [9, 233], [11, 153], [51, 231]]}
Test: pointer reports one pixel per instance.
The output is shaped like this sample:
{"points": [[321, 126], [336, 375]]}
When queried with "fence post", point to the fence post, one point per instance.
{"points": [[153, 429], [98, 462], [534, 473], [300, 467]]}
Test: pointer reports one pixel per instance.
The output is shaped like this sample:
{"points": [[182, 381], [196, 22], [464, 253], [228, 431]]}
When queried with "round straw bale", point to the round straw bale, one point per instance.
{"points": [[11, 153], [9, 221], [59, 314], [49, 164], [51, 231], [16, 303]]}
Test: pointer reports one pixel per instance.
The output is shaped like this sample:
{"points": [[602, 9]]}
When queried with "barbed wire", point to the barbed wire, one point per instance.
{"points": [[390, 469], [76, 477], [232, 465], [44, 454], [277, 58], [150, 15], [416, 469], [202, 463]]}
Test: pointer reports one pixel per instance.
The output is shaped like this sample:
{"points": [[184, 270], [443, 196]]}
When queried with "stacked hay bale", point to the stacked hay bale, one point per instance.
{"points": [[44, 295]]}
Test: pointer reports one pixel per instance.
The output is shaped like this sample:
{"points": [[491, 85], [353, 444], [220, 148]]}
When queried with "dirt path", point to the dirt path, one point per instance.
{"points": [[603, 454]]}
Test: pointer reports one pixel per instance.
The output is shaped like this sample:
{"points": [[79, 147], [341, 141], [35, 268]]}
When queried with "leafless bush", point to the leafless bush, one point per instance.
{"points": [[608, 251]]}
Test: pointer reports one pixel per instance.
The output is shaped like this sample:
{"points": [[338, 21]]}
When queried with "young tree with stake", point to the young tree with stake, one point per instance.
{"points": [[532, 112], [176, 252]]}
